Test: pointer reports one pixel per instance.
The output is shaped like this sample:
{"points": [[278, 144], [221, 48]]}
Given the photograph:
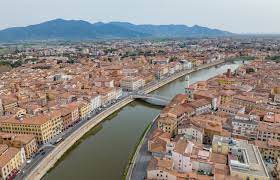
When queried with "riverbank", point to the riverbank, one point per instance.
{"points": [[132, 159], [51, 158]]}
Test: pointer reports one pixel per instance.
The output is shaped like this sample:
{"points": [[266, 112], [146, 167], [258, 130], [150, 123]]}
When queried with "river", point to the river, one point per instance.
{"points": [[103, 153]]}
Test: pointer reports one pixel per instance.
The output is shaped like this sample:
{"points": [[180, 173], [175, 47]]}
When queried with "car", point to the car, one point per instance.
{"points": [[58, 140], [28, 161], [43, 153]]}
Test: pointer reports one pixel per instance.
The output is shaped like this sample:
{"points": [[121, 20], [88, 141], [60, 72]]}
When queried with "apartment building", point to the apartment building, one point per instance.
{"points": [[270, 149], [43, 126], [9, 103], [201, 106], [132, 83], [104, 82], [227, 96], [266, 131], [231, 108], [10, 161], [70, 115], [158, 143], [167, 124], [26, 141], [84, 108], [248, 101], [191, 131], [244, 126]]}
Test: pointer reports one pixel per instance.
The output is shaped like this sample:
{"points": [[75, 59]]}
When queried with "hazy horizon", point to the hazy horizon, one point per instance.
{"points": [[237, 16]]}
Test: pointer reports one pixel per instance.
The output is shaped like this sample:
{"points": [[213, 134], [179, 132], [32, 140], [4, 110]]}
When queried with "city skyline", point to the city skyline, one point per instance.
{"points": [[236, 16]]}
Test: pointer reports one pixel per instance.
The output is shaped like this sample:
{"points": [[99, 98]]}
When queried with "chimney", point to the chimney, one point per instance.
{"points": [[229, 73]]}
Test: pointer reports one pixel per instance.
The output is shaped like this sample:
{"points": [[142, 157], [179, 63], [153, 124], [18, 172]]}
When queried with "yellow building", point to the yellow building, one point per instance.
{"points": [[227, 96], [270, 149], [276, 170], [220, 147], [84, 109], [226, 81], [26, 141], [167, 124], [43, 126], [10, 161], [9, 103]]}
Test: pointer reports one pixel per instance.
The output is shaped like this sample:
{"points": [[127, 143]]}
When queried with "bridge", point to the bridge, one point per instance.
{"points": [[152, 99]]}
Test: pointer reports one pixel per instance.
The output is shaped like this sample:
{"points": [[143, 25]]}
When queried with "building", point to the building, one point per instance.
{"points": [[104, 82], [191, 131], [160, 169], [270, 149], [186, 64], [95, 102], [201, 106], [209, 96], [158, 143], [275, 92], [109, 94], [167, 124], [266, 131], [227, 96], [84, 109], [1, 108], [26, 141], [276, 170], [161, 71], [244, 159], [181, 155], [10, 161], [69, 114], [43, 126], [231, 108], [132, 83], [210, 126], [244, 126], [8, 103], [248, 101]]}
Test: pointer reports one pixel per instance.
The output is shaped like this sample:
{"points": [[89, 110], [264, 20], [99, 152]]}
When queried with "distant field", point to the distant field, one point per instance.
{"points": [[4, 68], [274, 58], [243, 58], [3, 51]]}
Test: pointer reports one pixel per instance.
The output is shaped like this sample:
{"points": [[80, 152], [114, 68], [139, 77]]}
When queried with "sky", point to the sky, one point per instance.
{"points": [[238, 16]]}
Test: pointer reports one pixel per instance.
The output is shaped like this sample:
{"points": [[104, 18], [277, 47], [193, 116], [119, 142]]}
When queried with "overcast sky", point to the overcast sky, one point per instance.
{"points": [[239, 16]]}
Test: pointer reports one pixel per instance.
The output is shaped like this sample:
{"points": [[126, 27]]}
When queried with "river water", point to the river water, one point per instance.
{"points": [[103, 153]]}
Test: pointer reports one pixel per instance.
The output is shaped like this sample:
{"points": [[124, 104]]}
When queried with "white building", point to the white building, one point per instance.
{"points": [[191, 132], [186, 64], [132, 83], [245, 126], [201, 106], [95, 102], [181, 156]]}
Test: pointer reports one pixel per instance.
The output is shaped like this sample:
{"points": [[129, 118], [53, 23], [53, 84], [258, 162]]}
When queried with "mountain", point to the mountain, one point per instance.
{"points": [[60, 29]]}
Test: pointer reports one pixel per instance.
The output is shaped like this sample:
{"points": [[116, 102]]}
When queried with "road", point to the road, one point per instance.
{"points": [[142, 158]]}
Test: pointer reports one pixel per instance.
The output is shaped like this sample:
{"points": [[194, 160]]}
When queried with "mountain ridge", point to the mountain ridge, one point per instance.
{"points": [[60, 29]]}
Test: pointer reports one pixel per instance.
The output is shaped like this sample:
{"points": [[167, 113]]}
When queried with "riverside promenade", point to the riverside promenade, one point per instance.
{"points": [[51, 158]]}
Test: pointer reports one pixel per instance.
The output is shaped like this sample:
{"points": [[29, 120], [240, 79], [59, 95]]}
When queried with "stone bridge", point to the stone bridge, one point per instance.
{"points": [[152, 99]]}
